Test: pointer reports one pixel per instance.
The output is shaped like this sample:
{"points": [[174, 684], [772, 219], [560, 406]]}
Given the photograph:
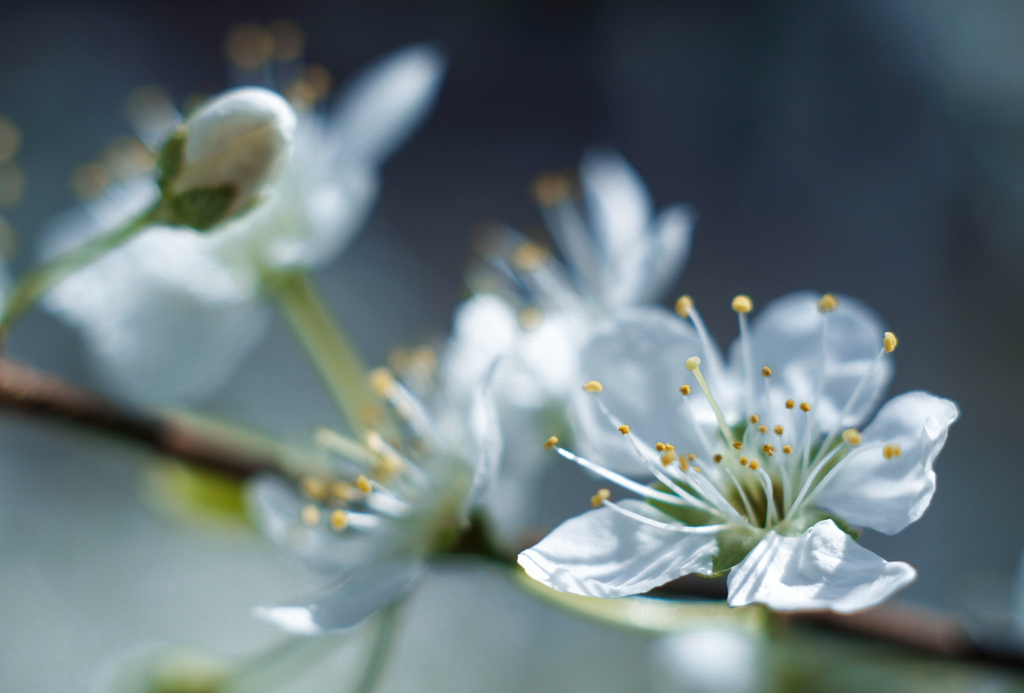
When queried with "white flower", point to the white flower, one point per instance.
{"points": [[756, 475], [196, 296], [537, 314], [218, 162], [369, 521]]}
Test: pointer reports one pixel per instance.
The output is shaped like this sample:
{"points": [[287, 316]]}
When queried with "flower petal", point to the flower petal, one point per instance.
{"points": [[669, 249], [350, 601], [603, 553], [385, 104], [823, 568], [869, 490], [163, 320], [787, 335], [640, 359]]}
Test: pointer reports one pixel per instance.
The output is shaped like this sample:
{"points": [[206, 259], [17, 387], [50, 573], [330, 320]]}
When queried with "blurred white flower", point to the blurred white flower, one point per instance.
{"points": [[196, 296], [538, 314], [371, 519], [760, 473], [710, 660]]}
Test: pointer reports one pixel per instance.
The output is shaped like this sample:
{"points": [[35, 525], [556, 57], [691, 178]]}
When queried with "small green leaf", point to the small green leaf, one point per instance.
{"points": [[196, 496], [201, 208]]}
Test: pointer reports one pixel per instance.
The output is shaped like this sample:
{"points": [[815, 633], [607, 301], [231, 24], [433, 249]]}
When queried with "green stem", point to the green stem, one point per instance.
{"points": [[37, 282], [383, 642], [327, 347]]}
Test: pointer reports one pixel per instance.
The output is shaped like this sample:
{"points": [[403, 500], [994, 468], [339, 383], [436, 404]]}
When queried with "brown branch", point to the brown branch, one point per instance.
{"points": [[28, 392]]}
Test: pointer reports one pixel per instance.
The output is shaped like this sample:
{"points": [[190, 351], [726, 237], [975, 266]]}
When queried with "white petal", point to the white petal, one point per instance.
{"points": [[868, 490], [617, 201], [640, 359], [602, 553], [485, 432], [484, 329], [163, 320], [669, 249], [385, 104], [351, 600], [823, 568], [786, 335]]}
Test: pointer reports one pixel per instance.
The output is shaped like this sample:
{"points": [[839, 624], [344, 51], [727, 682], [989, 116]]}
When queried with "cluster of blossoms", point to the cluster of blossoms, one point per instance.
{"points": [[766, 469]]}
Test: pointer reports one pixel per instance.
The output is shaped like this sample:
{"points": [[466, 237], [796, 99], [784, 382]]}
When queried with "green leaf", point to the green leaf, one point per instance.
{"points": [[201, 208]]}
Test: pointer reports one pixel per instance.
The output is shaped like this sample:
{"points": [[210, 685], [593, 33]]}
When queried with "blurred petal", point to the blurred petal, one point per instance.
{"points": [[787, 335], [640, 359], [869, 490], [823, 568], [385, 104], [668, 252], [350, 601], [603, 553], [485, 432], [617, 201]]}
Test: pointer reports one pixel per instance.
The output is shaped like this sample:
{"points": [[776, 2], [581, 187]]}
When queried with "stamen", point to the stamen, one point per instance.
{"points": [[789, 404], [768, 449], [754, 418], [890, 342], [851, 436], [364, 484], [342, 490], [891, 450], [310, 515], [550, 442], [685, 389], [754, 465], [805, 407], [598, 499], [693, 364], [762, 429], [668, 458], [314, 488], [827, 303], [660, 447], [717, 459], [529, 257], [742, 304], [743, 461], [787, 449], [339, 520], [778, 430], [550, 189], [684, 305], [623, 429], [382, 382], [674, 526], [766, 372], [737, 444], [593, 387], [692, 456]]}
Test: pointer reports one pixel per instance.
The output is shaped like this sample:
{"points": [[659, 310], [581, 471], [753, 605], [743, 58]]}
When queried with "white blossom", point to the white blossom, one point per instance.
{"points": [[759, 465]]}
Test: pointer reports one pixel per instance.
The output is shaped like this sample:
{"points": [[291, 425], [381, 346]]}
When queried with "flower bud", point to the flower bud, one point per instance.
{"points": [[220, 159]]}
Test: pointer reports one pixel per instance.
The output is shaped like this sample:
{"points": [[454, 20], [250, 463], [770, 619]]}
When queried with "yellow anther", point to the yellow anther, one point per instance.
{"points": [[683, 465], [530, 318], [753, 465], [685, 389], [549, 189], [827, 303], [787, 449], [698, 469], [660, 447], [762, 429], [683, 306], [364, 484], [851, 436], [716, 458], [768, 449], [342, 490], [669, 447], [339, 520], [692, 456], [314, 488], [778, 430], [593, 386], [623, 429], [600, 497], [891, 450], [790, 404], [693, 363], [382, 382], [738, 444], [528, 256], [766, 372], [667, 458], [550, 442], [310, 515], [890, 342], [805, 407], [743, 461], [388, 466], [754, 418], [742, 304]]}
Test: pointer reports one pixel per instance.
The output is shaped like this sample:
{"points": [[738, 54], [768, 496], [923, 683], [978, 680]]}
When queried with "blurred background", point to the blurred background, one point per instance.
{"points": [[871, 148]]}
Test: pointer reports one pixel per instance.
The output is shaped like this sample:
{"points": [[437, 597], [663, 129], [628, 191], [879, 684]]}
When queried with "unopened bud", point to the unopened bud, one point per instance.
{"points": [[219, 160]]}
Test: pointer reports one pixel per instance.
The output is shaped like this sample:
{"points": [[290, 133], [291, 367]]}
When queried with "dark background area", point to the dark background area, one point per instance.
{"points": [[869, 148]]}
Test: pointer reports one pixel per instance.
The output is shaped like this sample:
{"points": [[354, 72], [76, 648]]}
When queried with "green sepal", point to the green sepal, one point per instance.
{"points": [[201, 208], [189, 494], [734, 544], [170, 158]]}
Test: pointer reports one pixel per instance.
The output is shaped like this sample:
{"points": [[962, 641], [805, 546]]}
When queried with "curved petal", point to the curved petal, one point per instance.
{"points": [[350, 601], [787, 335], [163, 320], [617, 201], [484, 329], [640, 359], [668, 251], [485, 435], [869, 490], [385, 104], [823, 568], [603, 553]]}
